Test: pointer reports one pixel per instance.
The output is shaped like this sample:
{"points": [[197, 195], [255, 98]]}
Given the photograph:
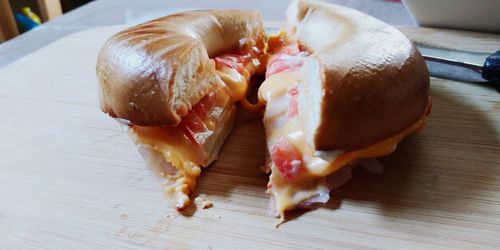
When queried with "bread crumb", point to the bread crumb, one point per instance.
{"points": [[203, 202], [207, 204]]}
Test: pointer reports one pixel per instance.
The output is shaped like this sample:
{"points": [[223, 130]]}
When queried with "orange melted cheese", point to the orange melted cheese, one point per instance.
{"points": [[235, 71]]}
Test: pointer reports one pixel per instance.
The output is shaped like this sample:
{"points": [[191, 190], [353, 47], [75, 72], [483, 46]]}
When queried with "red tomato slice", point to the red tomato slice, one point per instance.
{"points": [[276, 66], [286, 158], [237, 59], [290, 49], [293, 108], [288, 58], [234, 61], [228, 60], [192, 125], [205, 106], [285, 63]]}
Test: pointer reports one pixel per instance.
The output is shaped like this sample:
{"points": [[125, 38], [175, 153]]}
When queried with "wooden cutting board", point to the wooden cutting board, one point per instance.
{"points": [[71, 178]]}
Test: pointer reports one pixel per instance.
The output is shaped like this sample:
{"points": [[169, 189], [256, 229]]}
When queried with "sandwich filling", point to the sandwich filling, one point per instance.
{"points": [[176, 154], [300, 175]]}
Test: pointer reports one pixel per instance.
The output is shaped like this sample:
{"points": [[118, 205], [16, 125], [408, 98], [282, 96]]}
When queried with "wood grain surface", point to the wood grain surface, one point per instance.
{"points": [[70, 178]]}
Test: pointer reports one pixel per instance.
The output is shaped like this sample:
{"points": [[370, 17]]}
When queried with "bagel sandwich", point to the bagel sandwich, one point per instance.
{"points": [[174, 81], [341, 88]]}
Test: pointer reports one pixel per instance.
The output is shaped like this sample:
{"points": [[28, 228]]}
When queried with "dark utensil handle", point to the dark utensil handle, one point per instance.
{"points": [[491, 68]]}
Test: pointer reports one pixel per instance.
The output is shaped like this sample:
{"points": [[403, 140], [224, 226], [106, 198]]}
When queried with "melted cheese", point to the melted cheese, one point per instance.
{"points": [[235, 83], [289, 195], [237, 80], [178, 159], [276, 86]]}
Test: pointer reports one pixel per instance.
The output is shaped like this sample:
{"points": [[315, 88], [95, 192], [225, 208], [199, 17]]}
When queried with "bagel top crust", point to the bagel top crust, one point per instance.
{"points": [[364, 82], [152, 74]]}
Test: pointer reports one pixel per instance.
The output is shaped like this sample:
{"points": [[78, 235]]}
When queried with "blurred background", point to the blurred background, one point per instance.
{"points": [[19, 16], [49, 20]]}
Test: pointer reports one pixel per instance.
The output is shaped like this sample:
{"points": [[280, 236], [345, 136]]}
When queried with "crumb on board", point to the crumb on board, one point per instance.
{"points": [[207, 204], [204, 203]]}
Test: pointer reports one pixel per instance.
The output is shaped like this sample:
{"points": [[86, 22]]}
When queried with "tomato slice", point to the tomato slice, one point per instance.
{"points": [[287, 58], [293, 108], [238, 59], [234, 60], [285, 63], [205, 106], [192, 125], [196, 120], [290, 49], [229, 60], [287, 158]]}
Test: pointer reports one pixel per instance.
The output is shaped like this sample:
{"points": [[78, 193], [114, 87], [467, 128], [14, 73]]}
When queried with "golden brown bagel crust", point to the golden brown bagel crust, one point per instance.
{"points": [[374, 82], [152, 74]]}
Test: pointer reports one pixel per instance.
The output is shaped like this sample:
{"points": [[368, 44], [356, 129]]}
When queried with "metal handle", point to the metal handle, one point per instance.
{"points": [[491, 68]]}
